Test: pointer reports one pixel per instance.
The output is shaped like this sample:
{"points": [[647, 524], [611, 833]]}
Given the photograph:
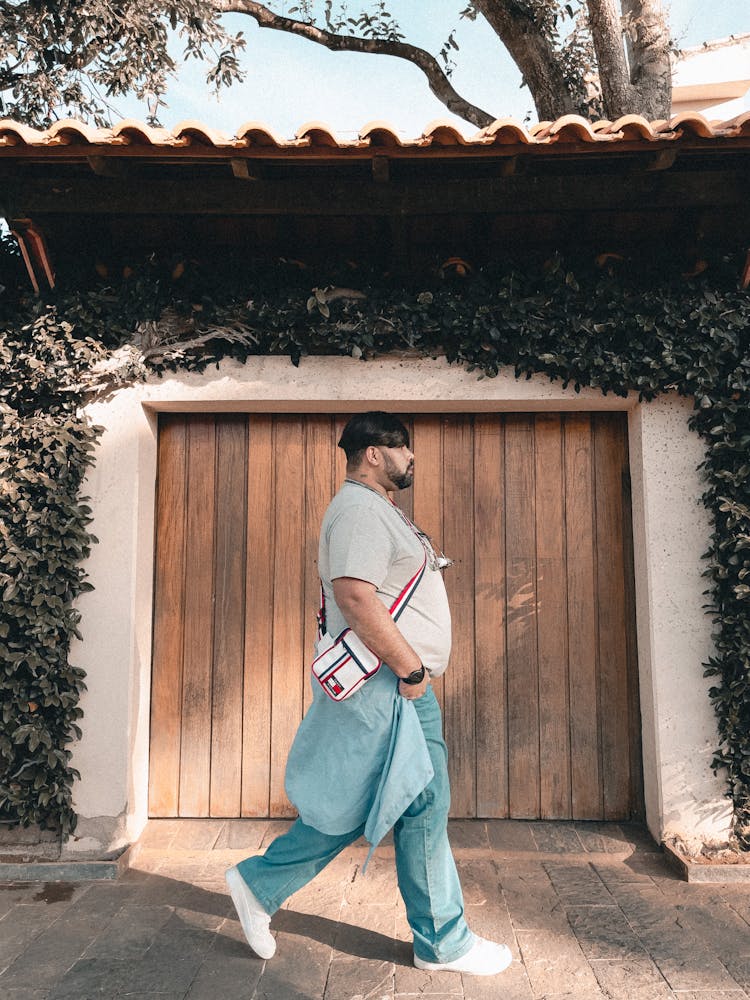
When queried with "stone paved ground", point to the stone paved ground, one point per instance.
{"points": [[589, 910]]}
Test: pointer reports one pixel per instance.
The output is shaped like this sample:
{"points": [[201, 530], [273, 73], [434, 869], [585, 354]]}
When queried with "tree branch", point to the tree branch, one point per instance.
{"points": [[438, 82]]}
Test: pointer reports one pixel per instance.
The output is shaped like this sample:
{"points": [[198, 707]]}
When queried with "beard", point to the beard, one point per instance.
{"points": [[400, 480]]}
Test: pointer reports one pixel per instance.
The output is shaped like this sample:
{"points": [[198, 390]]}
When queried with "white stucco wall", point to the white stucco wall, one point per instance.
{"points": [[670, 531]]}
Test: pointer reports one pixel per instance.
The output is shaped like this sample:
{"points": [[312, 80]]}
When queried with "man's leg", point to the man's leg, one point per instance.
{"points": [[291, 861], [427, 875]]}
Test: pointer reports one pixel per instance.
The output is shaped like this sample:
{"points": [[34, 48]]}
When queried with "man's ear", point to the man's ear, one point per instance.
{"points": [[372, 455]]}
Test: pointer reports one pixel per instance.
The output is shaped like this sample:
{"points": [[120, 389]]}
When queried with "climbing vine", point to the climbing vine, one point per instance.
{"points": [[609, 327]]}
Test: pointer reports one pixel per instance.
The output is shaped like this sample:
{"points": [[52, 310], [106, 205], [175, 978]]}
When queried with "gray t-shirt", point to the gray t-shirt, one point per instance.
{"points": [[364, 536]]}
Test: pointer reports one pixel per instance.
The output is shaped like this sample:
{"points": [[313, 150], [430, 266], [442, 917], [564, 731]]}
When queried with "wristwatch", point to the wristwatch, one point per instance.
{"points": [[415, 677]]}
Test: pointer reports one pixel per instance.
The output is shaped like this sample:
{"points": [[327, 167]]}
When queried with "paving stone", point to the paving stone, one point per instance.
{"points": [[357, 979], [737, 966], [604, 932], [197, 834], [160, 833], [378, 883], [150, 996], [176, 954], [717, 925], [622, 873], [241, 834], [367, 931], [555, 964], [578, 885], [633, 979], [513, 984], [680, 954], [602, 838], [90, 978], [229, 969], [509, 835], [485, 907], [25, 993], [46, 959], [740, 903], [409, 979], [531, 899], [13, 893], [468, 833], [131, 932], [18, 928], [710, 995], [298, 970], [559, 838]]}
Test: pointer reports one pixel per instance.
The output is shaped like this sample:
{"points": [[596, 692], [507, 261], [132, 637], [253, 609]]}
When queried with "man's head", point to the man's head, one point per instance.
{"points": [[377, 450]]}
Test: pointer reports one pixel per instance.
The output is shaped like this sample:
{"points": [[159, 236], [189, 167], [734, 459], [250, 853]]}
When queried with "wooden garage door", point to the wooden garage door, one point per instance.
{"points": [[540, 699]]}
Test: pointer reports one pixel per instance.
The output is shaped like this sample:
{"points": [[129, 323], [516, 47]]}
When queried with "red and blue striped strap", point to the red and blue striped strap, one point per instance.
{"points": [[395, 609]]}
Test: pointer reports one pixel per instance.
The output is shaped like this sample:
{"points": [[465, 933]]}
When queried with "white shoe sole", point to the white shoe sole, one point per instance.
{"points": [[464, 964]]}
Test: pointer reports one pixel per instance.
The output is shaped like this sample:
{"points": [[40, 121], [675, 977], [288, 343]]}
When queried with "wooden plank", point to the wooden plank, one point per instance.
{"points": [[522, 664], [427, 491], [166, 675], [336, 196], [320, 452], [489, 616], [339, 462], [613, 661], [229, 616], [552, 619], [405, 498], [195, 764], [458, 522], [256, 709], [586, 783], [286, 689]]}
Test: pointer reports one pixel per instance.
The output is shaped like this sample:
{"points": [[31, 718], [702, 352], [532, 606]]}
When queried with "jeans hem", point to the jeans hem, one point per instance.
{"points": [[452, 956]]}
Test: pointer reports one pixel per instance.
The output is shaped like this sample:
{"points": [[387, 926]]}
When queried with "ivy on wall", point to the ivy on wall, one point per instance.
{"points": [[616, 330]]}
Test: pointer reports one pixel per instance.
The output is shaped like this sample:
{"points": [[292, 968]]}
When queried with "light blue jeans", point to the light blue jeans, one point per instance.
{"points": [[427, 876]]}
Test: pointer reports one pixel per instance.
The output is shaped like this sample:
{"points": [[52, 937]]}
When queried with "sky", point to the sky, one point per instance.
{"points": [[291, 81]]}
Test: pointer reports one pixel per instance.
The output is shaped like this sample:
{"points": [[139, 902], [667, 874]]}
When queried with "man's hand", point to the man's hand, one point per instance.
{"points": [[368, 616], [413, 691]]}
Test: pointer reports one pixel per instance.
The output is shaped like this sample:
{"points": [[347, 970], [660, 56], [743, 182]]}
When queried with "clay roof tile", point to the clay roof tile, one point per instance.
{"points": [[318, 134], [572, 128], [691, 123], [505, 131], [196, 133], [632, 127], [257, 134], [380, 133], [442, 132]]}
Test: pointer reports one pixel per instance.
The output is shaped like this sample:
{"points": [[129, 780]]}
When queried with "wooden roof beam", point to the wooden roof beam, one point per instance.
{"points": [[107, 166], [34, 251], [381, 169], [241, 169]]}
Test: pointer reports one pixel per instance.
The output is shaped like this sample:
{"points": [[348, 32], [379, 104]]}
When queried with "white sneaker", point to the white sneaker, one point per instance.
{"points": [[484, 958], [254, 919]]}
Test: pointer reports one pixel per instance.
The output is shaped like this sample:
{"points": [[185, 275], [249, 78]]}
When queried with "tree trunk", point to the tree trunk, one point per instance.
{"points": [[536, 57], [647, 36], [614, 77]]}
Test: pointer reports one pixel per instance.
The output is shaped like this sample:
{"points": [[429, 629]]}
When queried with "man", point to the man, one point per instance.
{"points": [[359, 764]]}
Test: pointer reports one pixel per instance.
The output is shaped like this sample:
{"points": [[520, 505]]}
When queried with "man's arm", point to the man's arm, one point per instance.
{"points": [[368, 616]]}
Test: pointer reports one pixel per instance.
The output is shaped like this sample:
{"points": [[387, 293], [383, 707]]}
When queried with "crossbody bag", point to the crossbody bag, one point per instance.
{"points": [[346, 662]]}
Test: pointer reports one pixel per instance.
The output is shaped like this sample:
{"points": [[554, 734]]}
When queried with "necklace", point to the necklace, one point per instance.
{"points": [[435, 559]]}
